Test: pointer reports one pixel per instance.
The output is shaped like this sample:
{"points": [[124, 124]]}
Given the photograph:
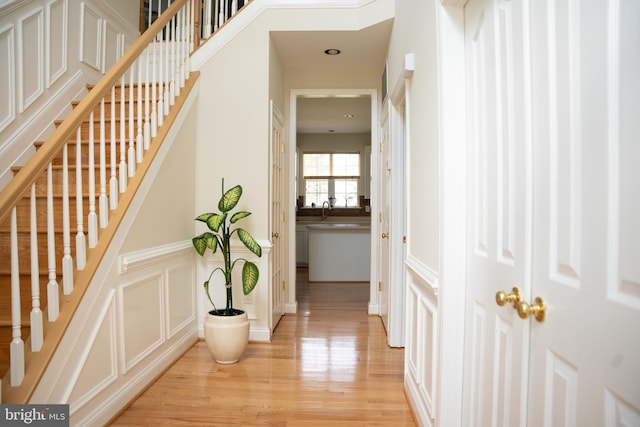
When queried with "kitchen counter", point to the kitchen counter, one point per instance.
{"points": [[339, 252]]}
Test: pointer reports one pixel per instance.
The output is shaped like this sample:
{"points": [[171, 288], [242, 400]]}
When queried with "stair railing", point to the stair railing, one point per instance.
{"points": [[151, 74]]}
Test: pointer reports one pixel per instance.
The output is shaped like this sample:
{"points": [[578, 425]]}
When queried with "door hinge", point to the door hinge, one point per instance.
{"points": [[382, 147], [281, 216], [283, 285], [282, 147], [380, 217], [379, 286]]}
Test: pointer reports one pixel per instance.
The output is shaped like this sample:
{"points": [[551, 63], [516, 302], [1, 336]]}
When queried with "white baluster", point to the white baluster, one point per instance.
{"points": [[92, 220], [154, 114], [160, 66], [123, 138], [103, 200], [139, 136], [216, 14], [234, 7], [16, 349], [147, 109], [81, 240], [36, 313], [131, 160], [172, 90], [206, 24], [183, 41], [113, 181], [52, 286], [67, 260], [167, 67]]}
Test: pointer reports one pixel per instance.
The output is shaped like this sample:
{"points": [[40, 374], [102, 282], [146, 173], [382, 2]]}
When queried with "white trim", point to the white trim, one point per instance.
{"points": [[423, 272], [452, 137], [8, 6], [140, 259]]}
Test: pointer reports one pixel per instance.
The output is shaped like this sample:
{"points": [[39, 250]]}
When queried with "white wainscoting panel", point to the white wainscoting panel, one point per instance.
{"points": [[180, 297], [56, 40], [141, 307], [111, 46], [7, 76], [98, 367], [422, 342], [31, 58], [90, 37]]}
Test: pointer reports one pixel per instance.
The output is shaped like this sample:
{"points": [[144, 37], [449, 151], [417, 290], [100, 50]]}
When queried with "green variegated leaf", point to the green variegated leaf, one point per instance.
{"points": [[204, 217], [238, 216], [215, 221], [249, 242], [230, 199], [250, 277], [204, 241]]}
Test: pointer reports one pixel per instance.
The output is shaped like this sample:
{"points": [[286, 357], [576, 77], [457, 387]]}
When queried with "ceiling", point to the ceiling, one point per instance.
{"points": [[366, 48]]}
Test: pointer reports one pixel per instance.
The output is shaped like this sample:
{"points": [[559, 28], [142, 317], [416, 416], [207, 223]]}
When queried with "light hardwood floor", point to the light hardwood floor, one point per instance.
{"points": [[329, 365]]}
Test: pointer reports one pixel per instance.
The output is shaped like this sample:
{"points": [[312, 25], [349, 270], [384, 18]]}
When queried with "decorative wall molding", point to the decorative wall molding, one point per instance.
{"points": [[140, 259], [91, 37], [107, 317], [56, 40], [422, 271], [30, 77], [8, 6], [7, 74], [137, 337]]}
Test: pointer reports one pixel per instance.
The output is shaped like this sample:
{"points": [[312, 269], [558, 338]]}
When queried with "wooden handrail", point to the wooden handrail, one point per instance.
{"points": [[27, 175]]}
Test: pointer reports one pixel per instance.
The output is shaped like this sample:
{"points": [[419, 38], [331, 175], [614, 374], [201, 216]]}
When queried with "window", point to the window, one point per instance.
{"points": [[331, 177]]}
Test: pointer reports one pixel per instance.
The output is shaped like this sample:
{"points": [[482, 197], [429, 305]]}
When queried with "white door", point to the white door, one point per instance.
{"points": [[499, 225], [585, 356], [553, 91], [277, 217], [384, 259]]}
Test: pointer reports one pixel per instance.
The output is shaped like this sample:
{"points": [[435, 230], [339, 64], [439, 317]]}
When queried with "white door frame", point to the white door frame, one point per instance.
{"points": [[291, 305], [451, 293]]}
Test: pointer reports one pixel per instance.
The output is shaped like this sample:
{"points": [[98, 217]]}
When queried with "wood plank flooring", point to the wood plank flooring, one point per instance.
{"points": [[329, 365]]}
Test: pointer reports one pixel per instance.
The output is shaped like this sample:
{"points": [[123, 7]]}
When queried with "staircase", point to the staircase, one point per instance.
{"points": [[60, 211], [49, 281]]}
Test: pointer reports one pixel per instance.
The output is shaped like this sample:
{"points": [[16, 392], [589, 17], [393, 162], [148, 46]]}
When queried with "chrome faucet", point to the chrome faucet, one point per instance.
{"points": [[324, 216]]}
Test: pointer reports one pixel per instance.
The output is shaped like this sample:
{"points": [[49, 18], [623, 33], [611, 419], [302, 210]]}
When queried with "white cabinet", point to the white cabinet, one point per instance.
{"points": [[302, 245]]}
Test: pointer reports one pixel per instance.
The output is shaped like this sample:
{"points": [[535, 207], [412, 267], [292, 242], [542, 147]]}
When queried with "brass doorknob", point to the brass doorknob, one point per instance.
{"points": [[385, 235], [536, 309], [275, 235], [503, 298]]}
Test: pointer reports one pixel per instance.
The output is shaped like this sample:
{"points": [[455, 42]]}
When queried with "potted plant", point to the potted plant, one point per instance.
{"points": [[226, 330]]}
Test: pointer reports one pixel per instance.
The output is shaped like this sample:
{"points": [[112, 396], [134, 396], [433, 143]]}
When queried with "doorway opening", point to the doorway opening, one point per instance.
{"points": [[323, 196]]}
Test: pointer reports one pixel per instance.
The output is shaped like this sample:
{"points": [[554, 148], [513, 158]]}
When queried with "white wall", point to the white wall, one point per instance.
{"points": [[415, 32]]}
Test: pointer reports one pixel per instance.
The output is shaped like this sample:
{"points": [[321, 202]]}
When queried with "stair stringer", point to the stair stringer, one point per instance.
{"points": [[103, 361]]}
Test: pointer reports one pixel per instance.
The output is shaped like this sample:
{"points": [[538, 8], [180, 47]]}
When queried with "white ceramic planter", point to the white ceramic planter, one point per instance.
{"points": [[227, 337]]}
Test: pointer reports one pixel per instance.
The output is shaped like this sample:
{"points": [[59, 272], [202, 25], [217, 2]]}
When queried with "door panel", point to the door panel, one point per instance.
{"points": [[277, 215], [585, 368], [384, 255], [499, 224]]}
